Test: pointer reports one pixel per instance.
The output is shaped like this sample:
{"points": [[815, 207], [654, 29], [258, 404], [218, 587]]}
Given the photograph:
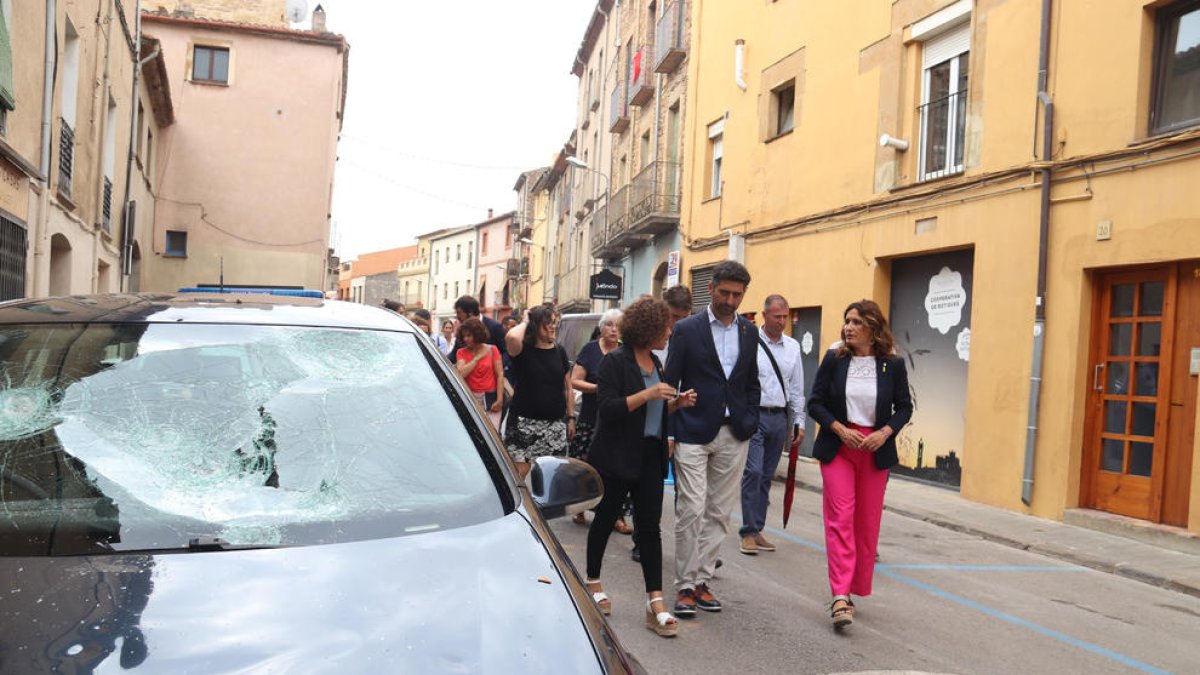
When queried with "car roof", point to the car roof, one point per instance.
{"points": [[256, 309]]}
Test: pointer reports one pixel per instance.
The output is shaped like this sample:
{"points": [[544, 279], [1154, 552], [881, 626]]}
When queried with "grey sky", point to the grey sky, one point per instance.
{"points": [[435, 86]]}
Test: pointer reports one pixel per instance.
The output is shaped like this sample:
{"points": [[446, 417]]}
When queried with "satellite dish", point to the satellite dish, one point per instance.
{"points": [[296, 10]]}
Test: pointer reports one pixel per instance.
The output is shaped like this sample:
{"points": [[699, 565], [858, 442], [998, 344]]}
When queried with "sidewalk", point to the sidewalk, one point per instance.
{"points": [[1155, 565]]}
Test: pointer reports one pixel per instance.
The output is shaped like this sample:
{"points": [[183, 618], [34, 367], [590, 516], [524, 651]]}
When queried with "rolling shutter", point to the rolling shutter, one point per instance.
{"points": [[701, 276]]}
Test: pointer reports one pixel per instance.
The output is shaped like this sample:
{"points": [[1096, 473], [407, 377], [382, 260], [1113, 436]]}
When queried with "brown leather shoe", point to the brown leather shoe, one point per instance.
{"points": [[763, 544], [685, 604], [705, 600], [749, 546]]}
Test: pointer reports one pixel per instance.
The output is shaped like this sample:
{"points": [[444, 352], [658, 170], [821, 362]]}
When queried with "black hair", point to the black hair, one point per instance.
{"points": [[468, 304], [730, 270]]}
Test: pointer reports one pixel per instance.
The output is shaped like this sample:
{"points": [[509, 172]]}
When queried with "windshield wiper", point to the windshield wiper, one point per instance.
{"points": [[200, 544]]}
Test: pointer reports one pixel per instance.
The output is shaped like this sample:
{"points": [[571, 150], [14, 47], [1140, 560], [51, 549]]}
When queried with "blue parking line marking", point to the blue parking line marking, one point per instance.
{"points": [[1041, 630], [888, 571]]}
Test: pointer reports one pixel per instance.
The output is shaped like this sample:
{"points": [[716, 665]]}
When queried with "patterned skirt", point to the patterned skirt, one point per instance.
{"points": [[529, 438], [581, 441]]}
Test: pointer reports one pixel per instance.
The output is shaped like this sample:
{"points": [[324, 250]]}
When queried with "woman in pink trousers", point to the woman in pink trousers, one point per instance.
{"points": [[861, 400]]}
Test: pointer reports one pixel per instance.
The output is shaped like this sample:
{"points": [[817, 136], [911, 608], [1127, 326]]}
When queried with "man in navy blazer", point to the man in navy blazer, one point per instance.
{"points": [[714, 352]]}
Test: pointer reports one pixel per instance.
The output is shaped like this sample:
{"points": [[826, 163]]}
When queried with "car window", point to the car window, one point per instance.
{"points": [[145, 436]]}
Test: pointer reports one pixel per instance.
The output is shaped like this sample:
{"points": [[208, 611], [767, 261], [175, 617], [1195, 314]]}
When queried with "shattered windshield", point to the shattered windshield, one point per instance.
{"points": [[146, 436]]}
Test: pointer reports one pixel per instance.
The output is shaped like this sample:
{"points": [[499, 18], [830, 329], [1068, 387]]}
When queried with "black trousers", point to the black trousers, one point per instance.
{"points": [[646, 493]]}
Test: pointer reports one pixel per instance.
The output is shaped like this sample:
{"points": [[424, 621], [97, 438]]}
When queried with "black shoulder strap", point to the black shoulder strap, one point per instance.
{"points": [[778, 373]]}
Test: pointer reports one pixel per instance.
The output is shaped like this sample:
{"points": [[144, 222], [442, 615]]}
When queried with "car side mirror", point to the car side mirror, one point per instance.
{"points": [[562, 486]]}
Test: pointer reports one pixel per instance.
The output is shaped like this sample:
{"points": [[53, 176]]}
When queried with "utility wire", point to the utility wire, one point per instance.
{"points": [[376, 145], [411, 188]]}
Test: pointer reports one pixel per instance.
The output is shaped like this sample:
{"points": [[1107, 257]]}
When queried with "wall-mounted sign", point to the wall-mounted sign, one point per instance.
{"points": [[945, 299], [605, 286], [672, 269]]}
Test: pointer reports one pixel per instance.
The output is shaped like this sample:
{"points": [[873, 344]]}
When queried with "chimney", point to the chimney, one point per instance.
{"points": [[489, 214], [318, 20]]}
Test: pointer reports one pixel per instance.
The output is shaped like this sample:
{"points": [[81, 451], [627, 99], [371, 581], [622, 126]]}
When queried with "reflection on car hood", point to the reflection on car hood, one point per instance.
{"points": [[461, 601]]}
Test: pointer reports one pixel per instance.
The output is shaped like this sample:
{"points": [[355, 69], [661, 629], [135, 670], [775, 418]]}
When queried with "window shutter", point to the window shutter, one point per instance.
{"points": [[7, 99], [947, 45], [701, 276]]}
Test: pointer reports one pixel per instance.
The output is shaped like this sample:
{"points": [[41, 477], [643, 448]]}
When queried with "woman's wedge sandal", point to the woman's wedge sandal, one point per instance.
{"points": [[841, 612], [599, 597], [662, 623]]}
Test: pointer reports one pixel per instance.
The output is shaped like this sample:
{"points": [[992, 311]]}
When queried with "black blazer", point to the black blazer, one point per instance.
{"points": [[693, 360], [617, 442], [827, 403]]}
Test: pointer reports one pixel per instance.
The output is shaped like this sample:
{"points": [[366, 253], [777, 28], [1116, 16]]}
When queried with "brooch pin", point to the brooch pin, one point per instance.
{"points": [[885, 366]]}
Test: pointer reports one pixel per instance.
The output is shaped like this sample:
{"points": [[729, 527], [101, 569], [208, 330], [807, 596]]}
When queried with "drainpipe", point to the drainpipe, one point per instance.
{"points": [[1039, 322], [41, 237], [739, 63], [126, 226]]}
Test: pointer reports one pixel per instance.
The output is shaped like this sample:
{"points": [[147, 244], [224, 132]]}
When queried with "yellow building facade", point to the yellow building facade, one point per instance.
{"points": [[1020, 203]]}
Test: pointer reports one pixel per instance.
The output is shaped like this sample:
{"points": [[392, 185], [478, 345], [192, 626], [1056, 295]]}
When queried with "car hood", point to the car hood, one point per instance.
{"points": [[479, 599]]}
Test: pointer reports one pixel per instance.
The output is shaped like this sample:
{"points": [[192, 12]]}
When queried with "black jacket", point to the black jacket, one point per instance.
{"points": [[693, 361], [827, 403], [619, 432]]}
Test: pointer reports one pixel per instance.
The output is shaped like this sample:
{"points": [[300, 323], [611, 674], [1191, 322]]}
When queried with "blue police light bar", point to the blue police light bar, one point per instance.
{"points": [[289, 292]]}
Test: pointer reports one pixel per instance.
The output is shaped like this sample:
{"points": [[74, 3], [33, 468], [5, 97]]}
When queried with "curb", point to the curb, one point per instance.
{"points": [[1125, 570]]}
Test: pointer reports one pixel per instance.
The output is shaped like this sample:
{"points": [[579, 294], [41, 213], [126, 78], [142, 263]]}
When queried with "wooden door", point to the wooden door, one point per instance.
{"points": [[1181, 422], [1129, 399]]}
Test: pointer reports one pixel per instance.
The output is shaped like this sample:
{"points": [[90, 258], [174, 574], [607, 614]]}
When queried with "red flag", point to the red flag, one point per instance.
{"points": [[789, 488]]}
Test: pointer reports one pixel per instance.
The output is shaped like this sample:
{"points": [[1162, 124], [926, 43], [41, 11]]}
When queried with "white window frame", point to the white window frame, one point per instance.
{"points": [[945, 42], [716, 139]]}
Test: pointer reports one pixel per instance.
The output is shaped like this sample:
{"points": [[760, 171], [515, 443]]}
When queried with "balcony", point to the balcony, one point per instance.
{"points": [[618, 106], [943, 127], [641, 87], [66, 158], [106, 206], [670, 48], [654, 199]]}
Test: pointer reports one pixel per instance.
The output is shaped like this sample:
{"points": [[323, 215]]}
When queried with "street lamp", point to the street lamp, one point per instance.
{"points": [[580, 164]]}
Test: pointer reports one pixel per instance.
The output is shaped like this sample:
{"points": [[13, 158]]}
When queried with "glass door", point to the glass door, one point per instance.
{"points": [[1128, 399]]}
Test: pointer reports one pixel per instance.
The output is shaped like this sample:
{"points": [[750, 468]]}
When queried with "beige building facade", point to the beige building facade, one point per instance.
{"points": [[529, 246], [1035, 241]]}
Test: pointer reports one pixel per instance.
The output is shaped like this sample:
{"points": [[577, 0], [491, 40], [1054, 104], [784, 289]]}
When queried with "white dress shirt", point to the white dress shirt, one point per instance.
{"points": [[787, 354], [726, 340]]}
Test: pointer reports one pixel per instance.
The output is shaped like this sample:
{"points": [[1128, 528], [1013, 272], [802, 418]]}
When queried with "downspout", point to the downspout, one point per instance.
{"points": [[51, 59], [41, 237], [126, 213], [1039, 322], [739, 63]]}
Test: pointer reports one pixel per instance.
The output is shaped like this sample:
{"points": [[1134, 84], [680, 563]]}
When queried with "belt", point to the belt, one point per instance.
{"points": [[768, 409]]}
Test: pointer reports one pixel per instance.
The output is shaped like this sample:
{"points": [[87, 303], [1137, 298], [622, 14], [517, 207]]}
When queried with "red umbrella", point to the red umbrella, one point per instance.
{"points": [[789, 488]]}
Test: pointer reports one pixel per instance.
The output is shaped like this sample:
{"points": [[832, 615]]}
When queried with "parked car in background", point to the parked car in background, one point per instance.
{"points": [[248, 483], [575, 330]]}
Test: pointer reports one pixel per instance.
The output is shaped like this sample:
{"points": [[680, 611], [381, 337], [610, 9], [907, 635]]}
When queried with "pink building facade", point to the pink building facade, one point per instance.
{"points": [[245, 174], [496, 273]]}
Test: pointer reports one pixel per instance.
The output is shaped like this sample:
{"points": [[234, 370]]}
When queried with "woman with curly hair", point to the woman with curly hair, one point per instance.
{"points": [[860, 398], [629, 450], [541, 418], [480, 365]]}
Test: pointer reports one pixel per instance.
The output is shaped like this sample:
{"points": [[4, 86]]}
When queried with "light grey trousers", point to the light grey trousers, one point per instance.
{"points": [[707, 484]]}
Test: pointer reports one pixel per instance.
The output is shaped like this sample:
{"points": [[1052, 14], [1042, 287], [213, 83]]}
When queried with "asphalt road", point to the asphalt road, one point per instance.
{"points": [[944, 602]]}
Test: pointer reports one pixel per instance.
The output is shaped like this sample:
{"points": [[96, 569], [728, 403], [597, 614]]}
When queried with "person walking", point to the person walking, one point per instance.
{"points": [[629, 451], [716, 354], [584, 377], [781, 418], [445, 339], [466, 307], [479, 364], [542, 416], [860, 398]]}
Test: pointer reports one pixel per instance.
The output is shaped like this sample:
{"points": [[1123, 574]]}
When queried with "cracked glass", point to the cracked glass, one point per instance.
{"points": [[147, 436]]}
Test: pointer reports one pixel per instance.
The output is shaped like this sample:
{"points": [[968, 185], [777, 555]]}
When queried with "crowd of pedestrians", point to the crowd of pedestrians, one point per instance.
{"points": [[712, 396]]}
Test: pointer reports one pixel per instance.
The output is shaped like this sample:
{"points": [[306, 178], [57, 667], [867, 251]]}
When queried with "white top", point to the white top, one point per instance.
{"points": [[860, 391], [787, 354], [442, 343]]}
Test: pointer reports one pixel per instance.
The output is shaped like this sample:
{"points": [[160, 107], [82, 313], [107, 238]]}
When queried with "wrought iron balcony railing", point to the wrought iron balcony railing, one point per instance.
{"points": [[66, 157], [641, 86], [106, 206], [654, 198], [669, 45], [943, 126]]}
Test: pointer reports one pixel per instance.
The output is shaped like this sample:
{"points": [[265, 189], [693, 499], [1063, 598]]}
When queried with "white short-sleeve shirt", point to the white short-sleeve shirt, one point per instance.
{"points": [[861, 391]]}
